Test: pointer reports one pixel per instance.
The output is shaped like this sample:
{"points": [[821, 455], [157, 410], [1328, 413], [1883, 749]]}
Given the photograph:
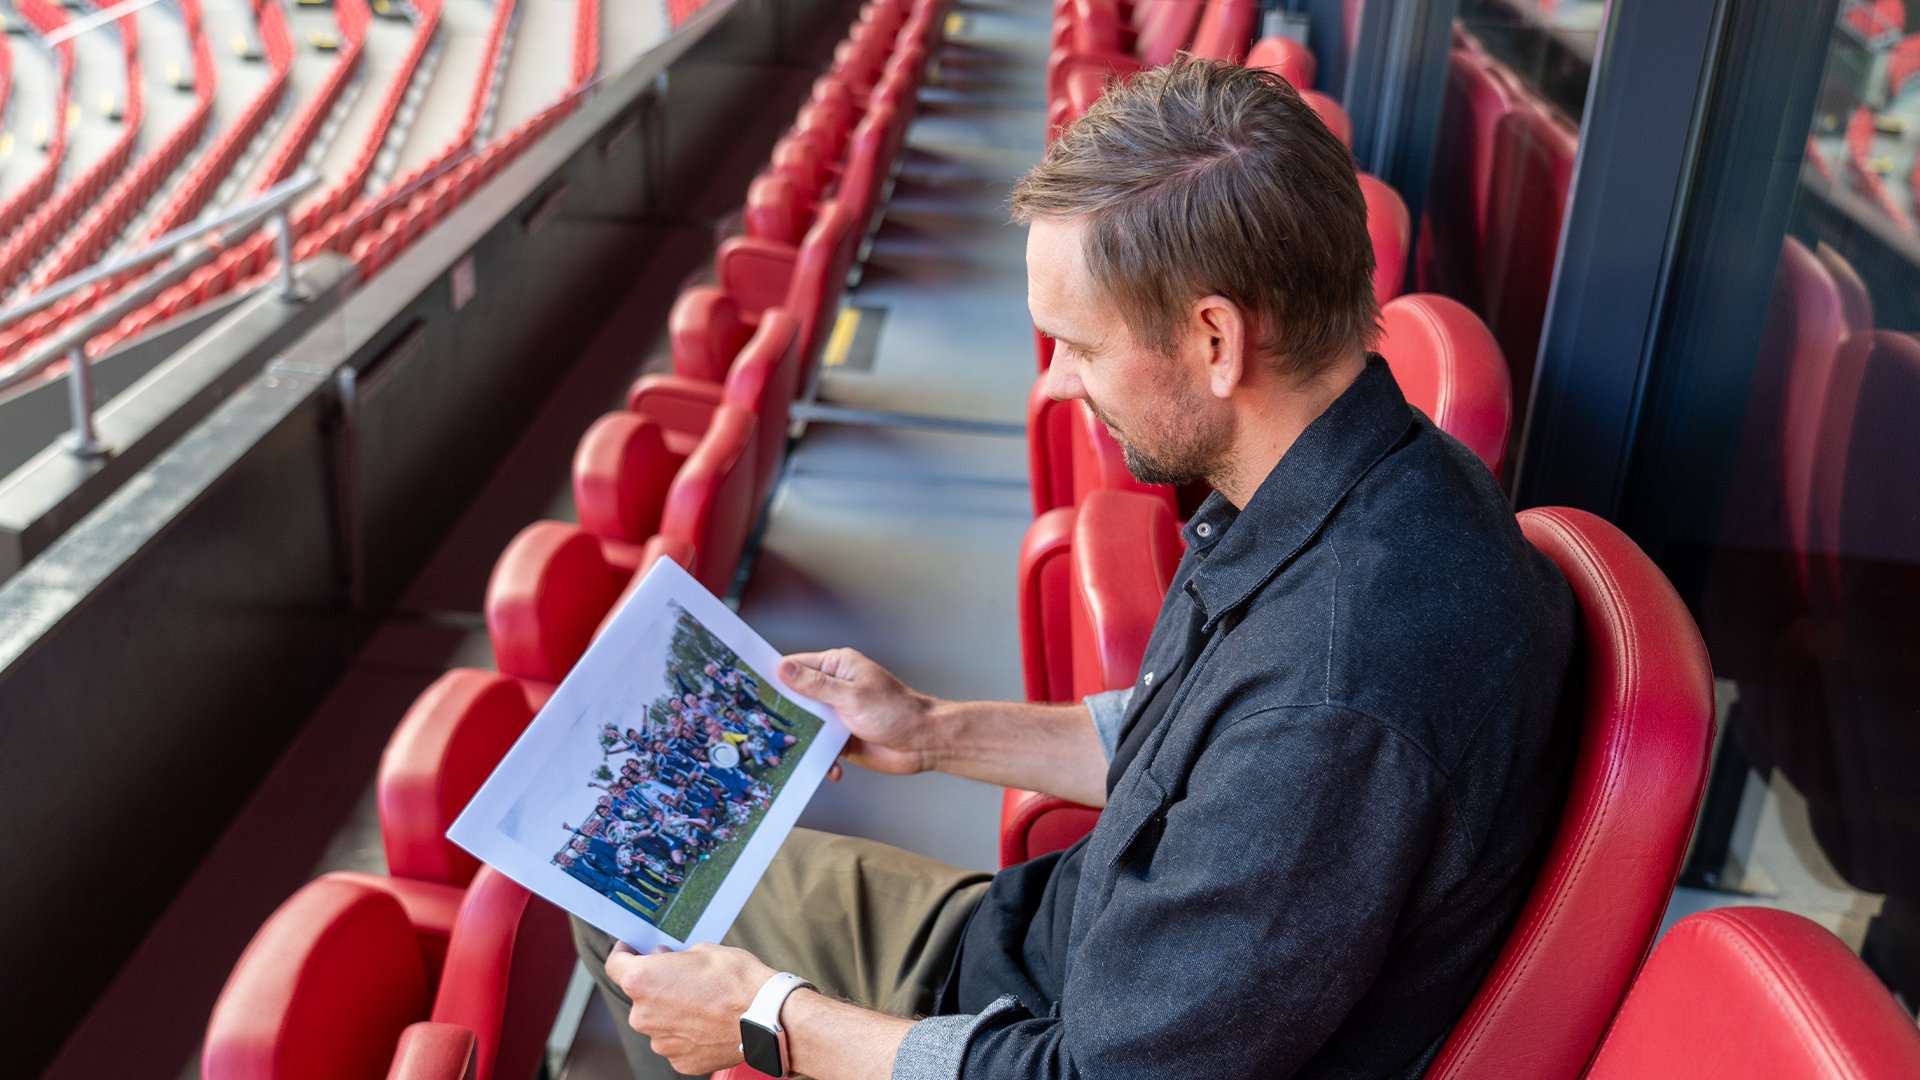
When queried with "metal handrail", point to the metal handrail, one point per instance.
{"points": [[273, 204]]}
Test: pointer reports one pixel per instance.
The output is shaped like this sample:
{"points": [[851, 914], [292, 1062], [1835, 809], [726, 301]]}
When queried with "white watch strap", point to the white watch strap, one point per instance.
{"points": [[765, 1009]]}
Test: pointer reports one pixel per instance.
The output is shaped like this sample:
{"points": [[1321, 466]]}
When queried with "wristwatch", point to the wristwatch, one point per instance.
{"points": [[762, 1040]]}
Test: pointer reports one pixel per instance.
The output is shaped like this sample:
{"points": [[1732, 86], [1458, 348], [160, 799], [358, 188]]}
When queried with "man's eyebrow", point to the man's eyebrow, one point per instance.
{"points": [[1061, 338]]}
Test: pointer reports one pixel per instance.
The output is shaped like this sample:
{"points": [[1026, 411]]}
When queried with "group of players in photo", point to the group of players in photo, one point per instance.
{"points": [[683, 785]]}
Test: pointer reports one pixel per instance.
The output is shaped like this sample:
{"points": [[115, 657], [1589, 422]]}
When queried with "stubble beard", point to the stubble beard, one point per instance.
{"points": [[1193, 445]]}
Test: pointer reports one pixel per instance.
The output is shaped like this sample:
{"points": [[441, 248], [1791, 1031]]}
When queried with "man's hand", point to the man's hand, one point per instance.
{"points": [[889, 722], [690, 1002]]}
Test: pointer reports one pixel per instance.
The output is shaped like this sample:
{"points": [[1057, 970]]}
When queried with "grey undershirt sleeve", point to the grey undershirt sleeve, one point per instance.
{"points": [[1107, 710], [934, 1048]]}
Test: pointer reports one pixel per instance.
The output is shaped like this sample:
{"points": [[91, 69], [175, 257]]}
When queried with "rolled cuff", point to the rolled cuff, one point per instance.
{"points": [[934, 1048], [1108, 709]]}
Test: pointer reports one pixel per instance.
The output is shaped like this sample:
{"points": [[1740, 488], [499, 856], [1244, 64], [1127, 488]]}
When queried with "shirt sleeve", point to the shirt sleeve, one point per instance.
{"points": [[1246, 919], [933, 1048], [1108, 709]]}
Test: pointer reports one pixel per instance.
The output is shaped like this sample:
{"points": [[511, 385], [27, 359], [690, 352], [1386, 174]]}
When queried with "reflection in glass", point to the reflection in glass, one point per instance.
{"points": [[1811, 606]]}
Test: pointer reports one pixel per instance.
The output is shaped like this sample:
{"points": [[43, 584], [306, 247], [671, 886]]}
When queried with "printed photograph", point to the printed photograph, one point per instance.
{"points": [[678, 783]]}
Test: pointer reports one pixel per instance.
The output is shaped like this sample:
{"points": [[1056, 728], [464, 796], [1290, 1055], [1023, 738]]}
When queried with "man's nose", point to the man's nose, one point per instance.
{"points": [[1063, 383]]}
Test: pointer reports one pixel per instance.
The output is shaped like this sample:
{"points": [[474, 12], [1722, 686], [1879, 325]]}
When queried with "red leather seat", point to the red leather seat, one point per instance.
{"points": [[1332, 115], [1391, 230], [1856, 301], [555, 583], [1287, 58], [706, 330], [1761, 995], [446, 746], [1647, 726], [776, 210], [764, 381], [1225, 30], [1107, 583], [806, 280], [1479, 95], [1449, 367], [338, 973], [1532, 173]]}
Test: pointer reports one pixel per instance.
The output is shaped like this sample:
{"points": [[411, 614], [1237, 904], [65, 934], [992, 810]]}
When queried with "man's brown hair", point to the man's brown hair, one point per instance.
{"points": [[1201, 178]]}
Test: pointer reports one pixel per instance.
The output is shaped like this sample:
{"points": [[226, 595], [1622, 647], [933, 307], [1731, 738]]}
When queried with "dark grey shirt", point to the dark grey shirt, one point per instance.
{"points": [[1314, 854]]}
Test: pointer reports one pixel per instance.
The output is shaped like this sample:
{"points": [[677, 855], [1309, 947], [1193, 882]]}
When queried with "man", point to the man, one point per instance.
{"points": [[1326, 795]]}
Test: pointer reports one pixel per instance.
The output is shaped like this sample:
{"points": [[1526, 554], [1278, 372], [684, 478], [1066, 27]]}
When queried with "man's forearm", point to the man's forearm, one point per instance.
{"points": [[834, 1040], [1048, 748]]}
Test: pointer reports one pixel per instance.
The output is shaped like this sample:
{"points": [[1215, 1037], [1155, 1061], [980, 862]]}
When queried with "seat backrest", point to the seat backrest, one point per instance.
{"points": [[1855, 300], [764, 381], [1126, 547], [508, 962], [446, 746], [1049, 448], [1453, 230], [710, 504], [706, 332], [1167, 30], [1331, 114], [1225, 30], [1860, 518], [1449, 367], [1046, 604], [1097, 27], [1806, 324], [1391, 230], [1646, 723], [799, 160], [1287, 58], [775, 211], [322, 992], [1761, 995], [867, 164], [819, 278], [621, 471], [1532, 176], [548, 590]]}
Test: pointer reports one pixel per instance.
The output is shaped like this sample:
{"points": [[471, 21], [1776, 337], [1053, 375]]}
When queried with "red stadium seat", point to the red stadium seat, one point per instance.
{"points": [[445, 747], [1647, 727], [776, 211], [710, 505], [337, 974], [1332, 115], [763, 381], [1225, 30], [1856, 301], [807, 280], [1093, 605], [1532, 173], [1449, 367], [707, 331], [1762, 995], [1807, 322], [1453, 233], [1286, 58], [621, 472], [550, 588], [1069, 453], [1391, 230]]}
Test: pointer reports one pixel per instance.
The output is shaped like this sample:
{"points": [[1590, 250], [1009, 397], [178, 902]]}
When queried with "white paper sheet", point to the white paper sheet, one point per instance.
{"points": [[656, 848]]}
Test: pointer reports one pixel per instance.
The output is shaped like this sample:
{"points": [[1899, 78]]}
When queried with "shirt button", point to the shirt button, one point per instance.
{"points": [[1148, 679], [1203, 529]]}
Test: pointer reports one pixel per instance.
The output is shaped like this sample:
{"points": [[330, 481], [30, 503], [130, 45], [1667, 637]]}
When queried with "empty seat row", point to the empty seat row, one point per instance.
{"points": [[444, 968]]}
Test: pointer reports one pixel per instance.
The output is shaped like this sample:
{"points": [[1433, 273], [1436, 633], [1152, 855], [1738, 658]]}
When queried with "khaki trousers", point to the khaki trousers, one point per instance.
{"points": [[861, 920]]}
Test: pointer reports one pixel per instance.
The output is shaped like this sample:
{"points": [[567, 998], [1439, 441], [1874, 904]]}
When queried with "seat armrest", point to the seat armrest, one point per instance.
{"points": [[430, 1051], [1032, 824]]}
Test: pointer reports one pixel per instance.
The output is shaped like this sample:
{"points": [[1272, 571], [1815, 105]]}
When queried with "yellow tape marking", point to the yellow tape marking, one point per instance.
{"points": [[841, 339]]}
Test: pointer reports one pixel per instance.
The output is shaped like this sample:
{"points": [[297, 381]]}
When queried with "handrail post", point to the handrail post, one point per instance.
{"points": [[82, 441], [283, 249]]}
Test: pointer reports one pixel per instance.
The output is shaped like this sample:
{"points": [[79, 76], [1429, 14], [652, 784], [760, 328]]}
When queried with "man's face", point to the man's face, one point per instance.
{"points": [[1154, 403]]}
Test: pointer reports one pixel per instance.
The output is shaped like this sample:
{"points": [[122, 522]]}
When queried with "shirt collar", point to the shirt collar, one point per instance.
{"points": [[1242, 550]]}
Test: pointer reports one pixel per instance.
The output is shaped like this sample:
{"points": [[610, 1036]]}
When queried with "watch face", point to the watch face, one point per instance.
{"points": [[762, 1048]]}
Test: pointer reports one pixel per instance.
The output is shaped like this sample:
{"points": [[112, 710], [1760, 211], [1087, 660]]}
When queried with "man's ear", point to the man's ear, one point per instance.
{"points": [[1221, 326]]}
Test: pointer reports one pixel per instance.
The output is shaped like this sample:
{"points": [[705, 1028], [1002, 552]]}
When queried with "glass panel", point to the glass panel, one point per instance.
{"points": [[1503, 163], [1809, 591]]}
